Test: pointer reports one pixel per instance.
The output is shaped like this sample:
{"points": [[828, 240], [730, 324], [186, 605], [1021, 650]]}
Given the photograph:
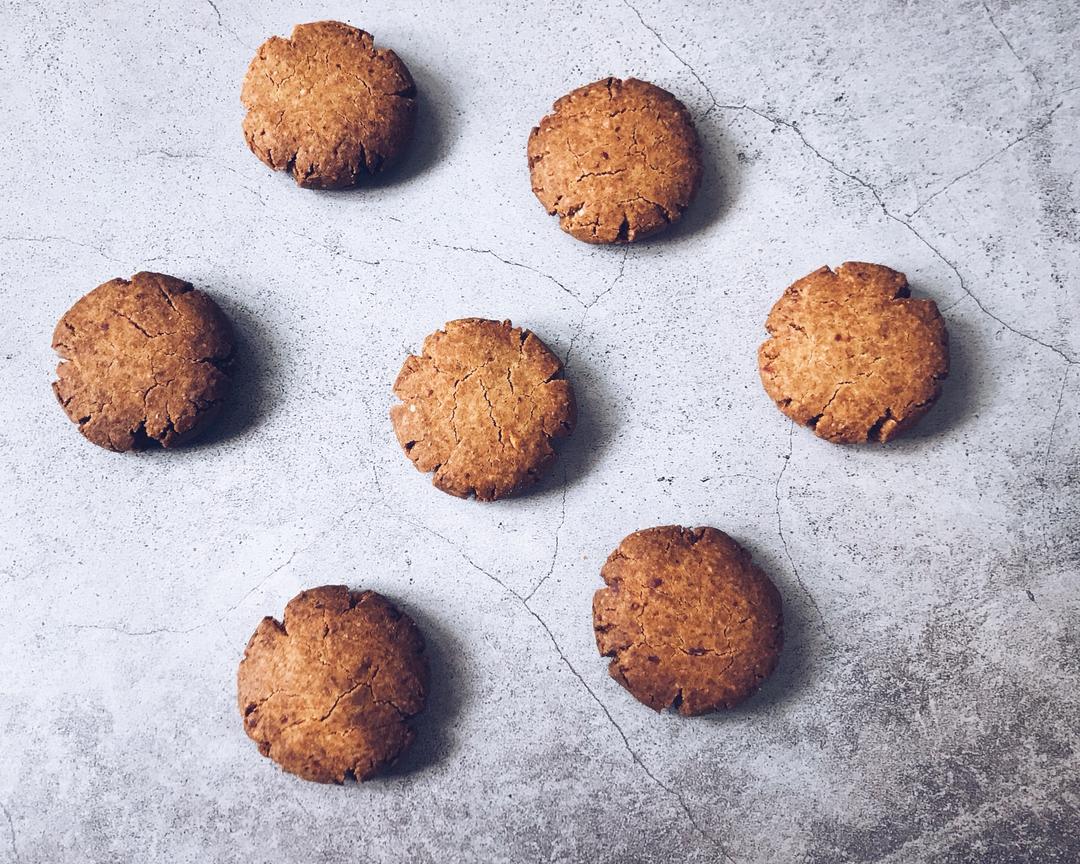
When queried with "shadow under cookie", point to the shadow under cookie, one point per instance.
{"points": [[447, 693]]}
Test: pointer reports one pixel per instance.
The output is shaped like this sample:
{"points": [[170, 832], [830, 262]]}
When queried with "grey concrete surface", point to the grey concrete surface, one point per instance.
{"points": [[927, 702]]}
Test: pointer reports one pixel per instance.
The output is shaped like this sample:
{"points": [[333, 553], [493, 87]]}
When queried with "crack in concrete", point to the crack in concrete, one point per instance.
{"points": [[794, 127], [57, 239], [223, 26], [1009, 44], [714, 102], [626, 741], [11, 830], [1057, 414], [221, 617], [591, 304], [523, 601], [555, 551], [170, 154], [1033, 131], [510, 263], [125, 632], [341, 252], [783, 539]]}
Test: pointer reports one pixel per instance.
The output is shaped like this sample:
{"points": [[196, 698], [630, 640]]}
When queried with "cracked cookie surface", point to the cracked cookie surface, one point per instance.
{"points": [[852, 355], [327, 105], [142, 361], [481, 406], [688, 619], [327, 692], [616, 160]]}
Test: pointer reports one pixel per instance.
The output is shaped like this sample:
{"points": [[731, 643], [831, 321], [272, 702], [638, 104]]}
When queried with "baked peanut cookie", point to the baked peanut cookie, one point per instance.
{"points": [[142, 361], [327, 692], [688, 619], [327, 105], [852, 355], [616, 160], [481, 406]]}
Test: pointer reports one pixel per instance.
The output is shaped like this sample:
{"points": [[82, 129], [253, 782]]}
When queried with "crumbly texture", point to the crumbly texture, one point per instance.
{"points": [[142, 361], [480, 407], [616, 160], [327, 693], [688, 619], [327, 105], [852, 355]]}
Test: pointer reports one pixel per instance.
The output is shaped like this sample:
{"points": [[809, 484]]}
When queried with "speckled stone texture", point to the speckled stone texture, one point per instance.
{"points": [[925, 705]]}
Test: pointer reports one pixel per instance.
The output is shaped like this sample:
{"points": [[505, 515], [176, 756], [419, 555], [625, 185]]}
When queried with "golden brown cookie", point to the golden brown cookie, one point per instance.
{"points": [[852, 355], [688, 619], [142, 361], [327, 105], [480, 407], [616, 160], [327, 693]]}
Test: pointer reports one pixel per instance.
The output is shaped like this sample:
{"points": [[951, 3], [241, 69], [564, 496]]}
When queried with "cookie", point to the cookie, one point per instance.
{"points": [[616, 160], [142, 361], [688, 620], [327, 692], [852, 355], [481, 406], [328, 106]]}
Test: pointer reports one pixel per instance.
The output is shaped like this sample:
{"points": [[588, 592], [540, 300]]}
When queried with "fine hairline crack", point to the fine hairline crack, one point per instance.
{"points": [[1057, 414], [55, 239], [592, 303], [783, 539], [511, 263], [555, 550], [794, 127], [777, 121], [1038, 127], [155, 631], [222, 25], [1009, 45], [523, 601], [11, 831], [713, 101]]}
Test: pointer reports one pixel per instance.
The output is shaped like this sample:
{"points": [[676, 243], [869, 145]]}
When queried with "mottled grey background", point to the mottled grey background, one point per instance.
{"points": [[926, 706]]}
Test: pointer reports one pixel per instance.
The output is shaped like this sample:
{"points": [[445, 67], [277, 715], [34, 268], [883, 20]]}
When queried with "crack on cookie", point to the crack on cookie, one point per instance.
{"points": [[135, 324], [491, 408], [346, 640], [813, 421], [877, 431], [184, 347], [620, 169], [344, 111], [508, 385]]}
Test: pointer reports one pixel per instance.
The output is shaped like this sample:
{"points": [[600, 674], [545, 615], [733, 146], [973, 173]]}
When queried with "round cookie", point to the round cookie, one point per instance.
{"points": [[851, 355], [616, 160], [142, 361], [688, 619], [327, 693], [480, 407], [327, 105]]}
